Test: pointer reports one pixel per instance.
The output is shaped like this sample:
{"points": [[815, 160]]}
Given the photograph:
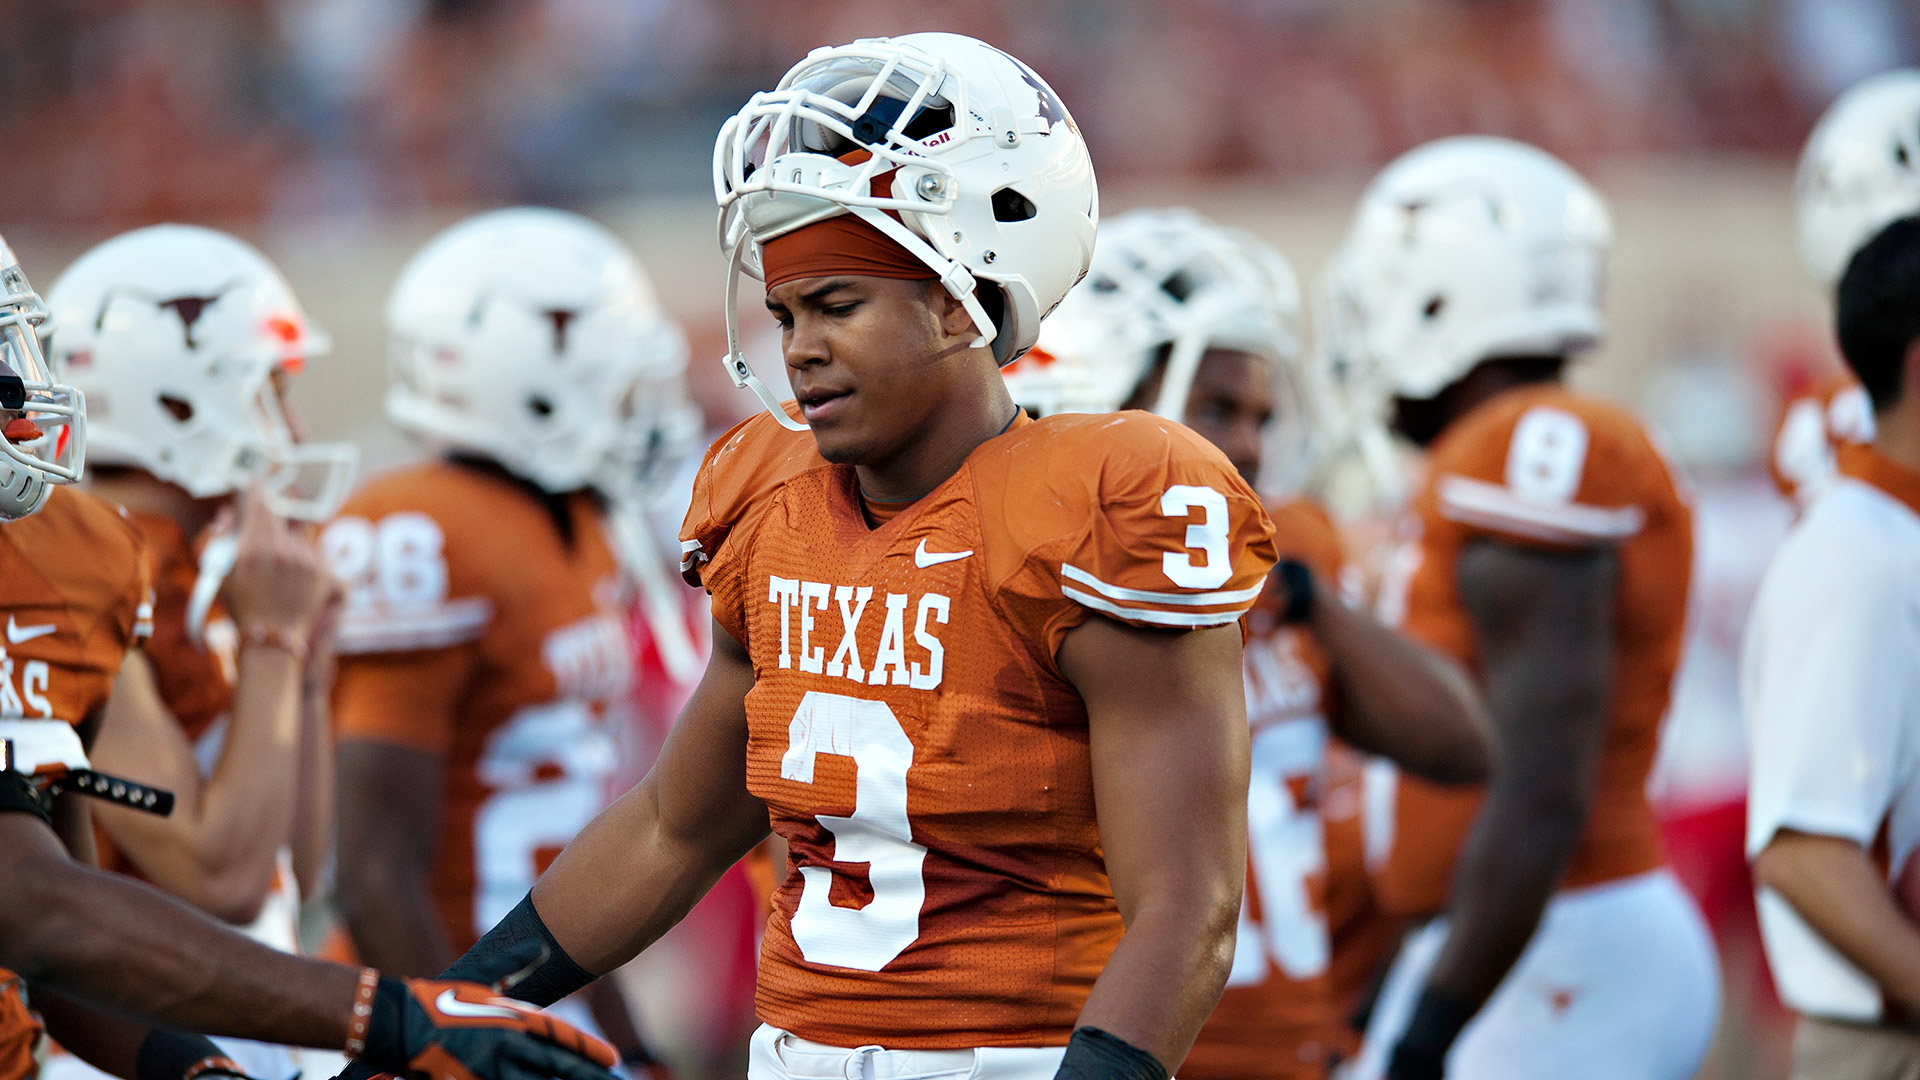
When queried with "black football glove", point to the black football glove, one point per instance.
{"points": [[445, 1030], [166, 1054]]}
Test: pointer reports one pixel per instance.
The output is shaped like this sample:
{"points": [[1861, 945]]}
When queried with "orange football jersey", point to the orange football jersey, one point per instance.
{"points": [[474, 631], [1364, 937], [195, 678], [909, 731], [1545, 467], [74, 592], [1274, 1017], [1835, 413]]}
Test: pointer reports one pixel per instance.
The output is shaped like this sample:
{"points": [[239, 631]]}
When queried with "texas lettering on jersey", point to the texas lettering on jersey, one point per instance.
{"points": [[909, 732]]}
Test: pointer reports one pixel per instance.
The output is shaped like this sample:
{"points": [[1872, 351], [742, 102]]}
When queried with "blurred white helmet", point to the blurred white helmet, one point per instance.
{"points": [[1464, 250], [1859, 172], [952, 148], [43, 423], [174, 332], [530, 336], [1169, 283]]}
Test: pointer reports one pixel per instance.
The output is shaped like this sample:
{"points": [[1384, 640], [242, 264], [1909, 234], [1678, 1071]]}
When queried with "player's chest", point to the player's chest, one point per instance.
{"points": [[1285, 674], [46, 670]]}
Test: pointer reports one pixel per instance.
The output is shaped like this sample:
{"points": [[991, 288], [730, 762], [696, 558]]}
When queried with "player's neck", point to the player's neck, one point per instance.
{"points": [[142, 492], [1896, 431], [976, 411]]}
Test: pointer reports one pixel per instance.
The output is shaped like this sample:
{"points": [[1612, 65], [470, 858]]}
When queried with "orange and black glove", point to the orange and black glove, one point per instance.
{"points": [[444, 1030]]}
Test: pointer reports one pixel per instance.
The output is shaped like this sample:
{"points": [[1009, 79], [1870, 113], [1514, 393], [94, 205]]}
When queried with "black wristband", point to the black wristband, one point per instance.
{"points": [[1093, 1054], [169, 1055], [1422, 1050], [502, 954], [1301, 590], [19, 795]]}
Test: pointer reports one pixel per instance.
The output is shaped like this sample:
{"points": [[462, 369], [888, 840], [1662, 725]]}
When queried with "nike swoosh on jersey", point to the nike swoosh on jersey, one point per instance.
{"points": [[450, 1004], [17, 633], [923, 558]]}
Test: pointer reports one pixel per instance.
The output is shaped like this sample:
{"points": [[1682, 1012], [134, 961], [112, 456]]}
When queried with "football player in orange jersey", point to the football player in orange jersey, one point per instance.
{"points": [[181, 338], [1859, 171], [484, 652], [1553, 553], [1185, 319], [978, 671], [73, 587]]}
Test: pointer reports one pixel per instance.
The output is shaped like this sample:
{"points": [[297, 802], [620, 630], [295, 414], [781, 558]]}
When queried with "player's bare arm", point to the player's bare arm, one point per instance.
{"points": [[1835, 886], [1401, 699], [391, 800], [118, 944], [1545, 625], [218, 848], [313, 820], [1168, 724], [641, 865]]}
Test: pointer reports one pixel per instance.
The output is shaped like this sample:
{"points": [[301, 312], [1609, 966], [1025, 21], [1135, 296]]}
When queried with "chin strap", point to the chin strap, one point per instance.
{"points": [[736, 361], [216, 562]]}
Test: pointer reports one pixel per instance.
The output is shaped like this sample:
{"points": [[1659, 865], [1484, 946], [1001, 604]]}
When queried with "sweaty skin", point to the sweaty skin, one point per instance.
{"points": [[885, 377]]}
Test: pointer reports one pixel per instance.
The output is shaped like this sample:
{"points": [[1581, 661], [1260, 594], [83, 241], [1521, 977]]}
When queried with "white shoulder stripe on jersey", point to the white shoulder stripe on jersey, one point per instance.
{"points": [[451, 623], [1158, 618], [1477, 502], [1145, 596]]}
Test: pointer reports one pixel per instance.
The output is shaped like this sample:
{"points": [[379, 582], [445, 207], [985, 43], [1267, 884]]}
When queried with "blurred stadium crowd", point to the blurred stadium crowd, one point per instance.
{"points": [[125, 112]]}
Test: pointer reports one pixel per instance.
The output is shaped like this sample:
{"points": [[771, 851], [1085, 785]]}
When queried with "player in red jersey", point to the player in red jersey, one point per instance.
{"points": [[1551, 555], [978, 671], [73, 588], [1189, 320]]}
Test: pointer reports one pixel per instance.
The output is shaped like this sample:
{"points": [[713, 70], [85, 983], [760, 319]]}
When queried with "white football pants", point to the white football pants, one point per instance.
{"points": [[781, 1055], [1620, 982]]}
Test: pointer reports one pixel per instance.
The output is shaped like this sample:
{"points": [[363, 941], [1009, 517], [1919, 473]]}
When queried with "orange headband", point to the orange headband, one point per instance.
{"points": [[839, 245]]}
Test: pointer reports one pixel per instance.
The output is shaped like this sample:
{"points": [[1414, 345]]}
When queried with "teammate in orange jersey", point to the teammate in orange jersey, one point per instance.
{"points": [[978, 671], [1185, 319], [1553, 556], [180, 337], [73, 588], [484, 648]]}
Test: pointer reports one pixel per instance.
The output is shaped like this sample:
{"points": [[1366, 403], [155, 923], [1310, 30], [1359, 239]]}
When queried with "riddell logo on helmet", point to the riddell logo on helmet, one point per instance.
{"points": [[937, 140]]}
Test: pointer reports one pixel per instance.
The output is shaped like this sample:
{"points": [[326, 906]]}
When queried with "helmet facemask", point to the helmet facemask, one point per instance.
{"points": [[44, 421]]}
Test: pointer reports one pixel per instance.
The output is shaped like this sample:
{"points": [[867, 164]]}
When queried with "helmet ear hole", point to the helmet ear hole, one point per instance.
{"points": [[179, 408], [1009, 205]]}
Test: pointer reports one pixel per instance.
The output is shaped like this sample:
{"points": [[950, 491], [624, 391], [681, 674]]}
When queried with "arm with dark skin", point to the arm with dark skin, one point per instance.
{"points": [[125, 946], [1400, 699], [1168, 726], [640, 866], [391, 800], [1544, 625], [107, 1041], [1835, 886]]}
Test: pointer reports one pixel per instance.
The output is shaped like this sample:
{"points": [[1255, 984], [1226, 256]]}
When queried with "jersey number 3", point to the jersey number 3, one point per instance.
{"points": [[877, 833]]}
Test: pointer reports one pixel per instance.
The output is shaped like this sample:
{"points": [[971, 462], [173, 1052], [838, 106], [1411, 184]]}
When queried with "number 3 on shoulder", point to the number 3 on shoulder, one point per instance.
{"points": [[1548, 456], [1209, 537]]}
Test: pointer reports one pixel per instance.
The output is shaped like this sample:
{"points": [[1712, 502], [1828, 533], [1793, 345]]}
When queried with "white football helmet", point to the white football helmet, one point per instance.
{"points": [[1464, 250], [975, 154], [529, 335], [44, 443], [1168, 280], [1859, 172], [174, 332]]}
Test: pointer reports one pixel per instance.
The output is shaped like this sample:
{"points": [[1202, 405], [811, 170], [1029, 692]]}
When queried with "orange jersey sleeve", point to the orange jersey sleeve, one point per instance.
{"points": [[1127, 516]]}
